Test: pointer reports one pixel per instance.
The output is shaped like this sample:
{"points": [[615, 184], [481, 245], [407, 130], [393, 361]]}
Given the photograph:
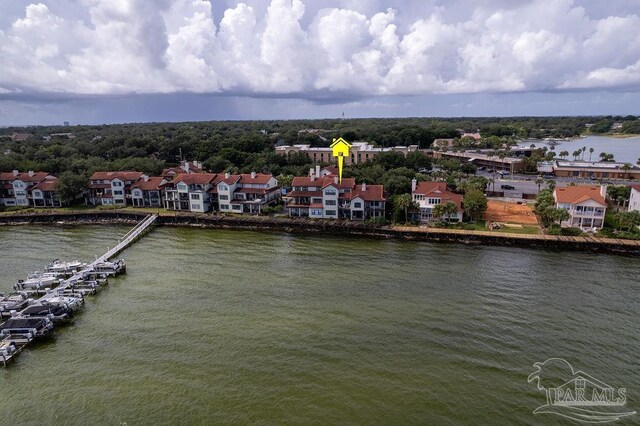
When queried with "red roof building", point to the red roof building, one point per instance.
{"points": [[429, 194], [247, 193], [111, 188], [586, 206], [319, 196]]}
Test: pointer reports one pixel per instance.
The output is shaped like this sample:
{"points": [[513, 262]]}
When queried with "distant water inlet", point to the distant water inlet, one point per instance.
{"points": [[624, 150], [217, 326]]}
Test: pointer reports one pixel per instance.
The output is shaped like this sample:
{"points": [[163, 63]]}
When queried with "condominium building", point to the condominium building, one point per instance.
{"points": [[325, 197], [360, 152], [111, 188], [590, 169], [190, 192], [147, 192], [16, 188], [247, 193]]}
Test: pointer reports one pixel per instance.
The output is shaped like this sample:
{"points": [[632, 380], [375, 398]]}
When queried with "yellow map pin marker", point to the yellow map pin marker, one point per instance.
{"points": [[340, 148]]}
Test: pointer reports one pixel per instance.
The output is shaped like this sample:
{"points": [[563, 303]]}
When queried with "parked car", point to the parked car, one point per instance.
{"points": [[508, 187]]}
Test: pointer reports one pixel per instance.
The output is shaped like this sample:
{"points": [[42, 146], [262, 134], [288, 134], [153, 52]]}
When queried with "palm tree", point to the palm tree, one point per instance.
{"points": [[564, 154], [576, 154], [551, 184], [405, 202], [584, 148], [626, 167], [539, 182], [590, 152], [638, 162]]}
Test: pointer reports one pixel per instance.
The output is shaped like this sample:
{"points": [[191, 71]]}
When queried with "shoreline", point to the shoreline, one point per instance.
{"points": [[330, 227]]}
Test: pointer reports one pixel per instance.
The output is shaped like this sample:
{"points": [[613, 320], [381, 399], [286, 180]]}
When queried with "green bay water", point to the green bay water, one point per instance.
{"points": [[218, 326]]}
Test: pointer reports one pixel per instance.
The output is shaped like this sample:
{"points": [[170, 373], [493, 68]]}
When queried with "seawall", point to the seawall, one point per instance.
{"points": [[330, 227]]}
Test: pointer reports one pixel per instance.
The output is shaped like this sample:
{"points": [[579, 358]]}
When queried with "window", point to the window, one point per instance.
{"points": [[330, 192], [223, 187], [117, 192], [418, 197], [434, 201], [224, 207], [223, 197], [236, 207], [357, 205], [196, 207], [316, 212], [330, 202], [182, 187], [116, 183], [195, 196], [331, 212]]}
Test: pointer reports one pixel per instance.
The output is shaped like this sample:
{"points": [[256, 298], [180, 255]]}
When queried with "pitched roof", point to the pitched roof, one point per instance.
{"points": [[49, 184], [370, 193], [195, 178], [578, 194], [126, 175], [439, 190], [24, 177], [152, 183], [231, 179], [636, 187], [259, 179]]}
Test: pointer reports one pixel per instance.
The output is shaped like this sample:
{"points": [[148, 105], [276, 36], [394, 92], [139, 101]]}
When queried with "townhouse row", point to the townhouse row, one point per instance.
{"points": [[30, 189], [194, 192]]}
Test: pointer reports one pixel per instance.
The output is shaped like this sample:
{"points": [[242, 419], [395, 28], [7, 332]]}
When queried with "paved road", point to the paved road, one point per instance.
{"points": [[527, 183]]}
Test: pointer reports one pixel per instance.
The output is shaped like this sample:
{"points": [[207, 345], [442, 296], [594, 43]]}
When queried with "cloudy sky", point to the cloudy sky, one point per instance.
{"points": [[105, 61]]}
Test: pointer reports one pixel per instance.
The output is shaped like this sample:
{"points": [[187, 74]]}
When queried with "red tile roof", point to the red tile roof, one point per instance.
{"points": [[439, 190], [370, 193], [231, 179], [196, 178], [636, 187], [126, 175], [47, 184], [151, 184], [305, 181], [259, 179], [578, 194]]}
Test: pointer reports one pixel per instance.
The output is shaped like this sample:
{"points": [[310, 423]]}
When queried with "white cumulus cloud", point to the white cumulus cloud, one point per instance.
{"points": [[343, 48]]}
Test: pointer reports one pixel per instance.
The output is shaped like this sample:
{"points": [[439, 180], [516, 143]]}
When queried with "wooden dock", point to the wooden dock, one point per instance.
{"points": [[67, 284]]}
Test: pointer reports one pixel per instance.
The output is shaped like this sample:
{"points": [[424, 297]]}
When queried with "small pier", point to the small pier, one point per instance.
{"points": [[62, 287]]}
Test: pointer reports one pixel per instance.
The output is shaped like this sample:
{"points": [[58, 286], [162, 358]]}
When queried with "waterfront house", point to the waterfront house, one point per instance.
{"points": [[324, 197], [430, 194], [634, 200], [247, 193], [43, 194], [586, 206], [111, 188], [147, 192], [185, 167], [189, 192], [16, 187]]}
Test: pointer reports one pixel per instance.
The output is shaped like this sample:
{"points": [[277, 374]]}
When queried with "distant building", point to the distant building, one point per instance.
{"points": [[430, 194], [616, 126], [111, 188], [66, 124], [586, 206], [634, 200], [19, 137], [475, 135], [589, 169], [492, 162], [63, 135], [361, 152]]}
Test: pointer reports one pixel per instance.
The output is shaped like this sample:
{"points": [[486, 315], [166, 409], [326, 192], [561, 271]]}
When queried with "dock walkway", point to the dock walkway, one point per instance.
{"points": [[67, 284]]}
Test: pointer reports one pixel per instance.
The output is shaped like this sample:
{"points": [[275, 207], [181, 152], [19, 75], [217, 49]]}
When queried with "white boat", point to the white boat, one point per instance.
{"points": [[66, 268], [36, 283], [73, 302], [110, 268]]}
